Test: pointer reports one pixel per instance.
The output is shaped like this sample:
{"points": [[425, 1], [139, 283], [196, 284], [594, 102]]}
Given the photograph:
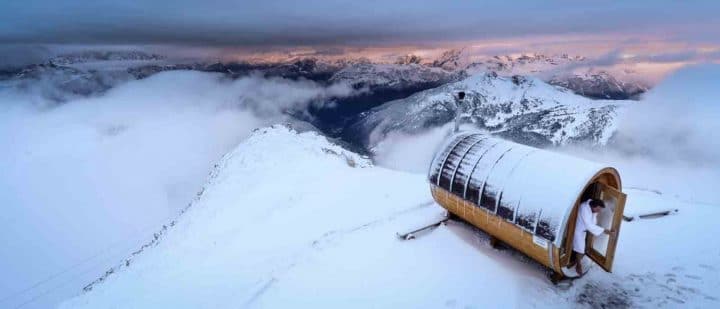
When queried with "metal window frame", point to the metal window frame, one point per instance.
{"points": [[472, 171], [452, 179], [448, 155]]}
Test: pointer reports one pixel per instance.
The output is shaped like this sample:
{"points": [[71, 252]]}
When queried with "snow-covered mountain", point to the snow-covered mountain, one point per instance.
{"points": [[79, 74], [307, 68], [319, 231], [240, 229], [393, 75], [522, 64], [526, 110], [103, 55], [59, 83], [600, 85], [573, 72]]}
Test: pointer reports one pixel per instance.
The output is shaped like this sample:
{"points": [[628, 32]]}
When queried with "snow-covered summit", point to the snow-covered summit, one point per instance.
{"points": [[576, 73], [270, 157], [271, 209], [524, 109]]}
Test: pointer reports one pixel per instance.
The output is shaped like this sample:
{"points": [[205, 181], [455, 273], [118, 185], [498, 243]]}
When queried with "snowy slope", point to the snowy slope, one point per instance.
{"points": [[526, 110], [290, 220]]}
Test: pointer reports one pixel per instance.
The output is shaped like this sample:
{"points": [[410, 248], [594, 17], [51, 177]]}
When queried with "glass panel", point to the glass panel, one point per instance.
{"points": [[465, 168], [481, 169], [439, 160], [605, 220], [489, 196], [602, 248], [546, 228], [526, 220], [453, 160]]}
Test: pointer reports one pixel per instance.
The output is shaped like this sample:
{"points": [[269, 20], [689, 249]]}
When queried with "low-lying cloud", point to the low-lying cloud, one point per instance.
{"points": [[87, 173], [677, 119], [411, 152], [666, 141]]}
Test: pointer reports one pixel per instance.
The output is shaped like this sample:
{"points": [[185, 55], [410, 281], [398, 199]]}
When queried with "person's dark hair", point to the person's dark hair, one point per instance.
{"points": [[597, 203], [461, 95]]}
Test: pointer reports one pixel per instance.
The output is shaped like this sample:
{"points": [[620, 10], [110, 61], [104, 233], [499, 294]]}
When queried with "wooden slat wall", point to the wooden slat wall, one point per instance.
{"points": [[503, 230]]}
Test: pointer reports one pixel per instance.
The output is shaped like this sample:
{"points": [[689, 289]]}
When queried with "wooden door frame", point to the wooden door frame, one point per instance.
{"points": [[606, 261], [572, 219]]}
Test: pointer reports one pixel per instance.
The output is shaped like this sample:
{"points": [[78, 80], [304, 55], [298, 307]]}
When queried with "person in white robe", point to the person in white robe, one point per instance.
{"points": [[586, 222]]}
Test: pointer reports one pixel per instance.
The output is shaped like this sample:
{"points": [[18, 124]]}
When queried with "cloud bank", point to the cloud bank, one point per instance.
{"points": [[81, 175], [666, 141], [676, 120], [283, 22]]}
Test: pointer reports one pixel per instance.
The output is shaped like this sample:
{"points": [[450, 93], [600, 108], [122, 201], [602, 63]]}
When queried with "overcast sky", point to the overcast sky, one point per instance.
{"points": [[290, 22]]}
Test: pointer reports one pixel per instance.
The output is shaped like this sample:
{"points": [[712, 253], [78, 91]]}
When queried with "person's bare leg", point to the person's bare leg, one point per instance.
{"points": [[578, 262]]}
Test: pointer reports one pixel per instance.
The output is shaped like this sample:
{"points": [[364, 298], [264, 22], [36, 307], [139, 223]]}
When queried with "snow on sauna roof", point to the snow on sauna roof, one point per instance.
{"points": [[532, 188]]}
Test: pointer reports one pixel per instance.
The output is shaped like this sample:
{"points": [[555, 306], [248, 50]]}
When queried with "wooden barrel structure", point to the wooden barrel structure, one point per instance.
{"points": [[526, 197]]}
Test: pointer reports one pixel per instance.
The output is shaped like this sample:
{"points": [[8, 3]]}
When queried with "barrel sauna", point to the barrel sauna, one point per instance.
{"points": [[526, 197]]}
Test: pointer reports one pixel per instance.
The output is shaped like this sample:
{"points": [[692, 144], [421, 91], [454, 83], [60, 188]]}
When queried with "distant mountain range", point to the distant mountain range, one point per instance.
{"points": [[100, 55], [409, 71], [410, 95]]}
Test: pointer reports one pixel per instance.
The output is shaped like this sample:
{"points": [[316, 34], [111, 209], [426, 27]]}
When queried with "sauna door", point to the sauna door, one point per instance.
{"points": [[601, 248]]}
